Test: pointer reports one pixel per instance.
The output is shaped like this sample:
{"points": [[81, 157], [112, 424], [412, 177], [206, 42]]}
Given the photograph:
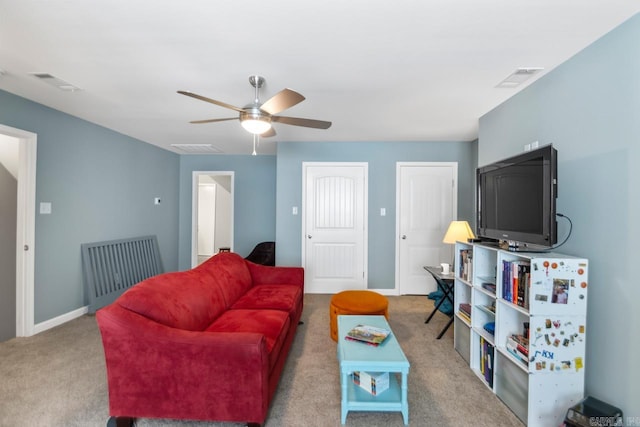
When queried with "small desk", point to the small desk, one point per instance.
{"points": [[387, 357], [445, 284]]}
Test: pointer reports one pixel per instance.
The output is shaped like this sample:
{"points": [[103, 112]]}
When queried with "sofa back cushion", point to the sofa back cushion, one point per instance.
{"points": [[185, 300], [231, 271]]}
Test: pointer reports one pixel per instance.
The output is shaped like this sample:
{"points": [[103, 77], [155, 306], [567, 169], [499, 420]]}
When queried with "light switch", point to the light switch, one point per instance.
{"points": [[45, 208], [294, 210], [383, 211]]}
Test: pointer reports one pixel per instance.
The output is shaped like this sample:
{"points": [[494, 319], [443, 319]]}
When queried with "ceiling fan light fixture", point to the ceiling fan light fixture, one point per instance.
{"points": [[255, 123]]}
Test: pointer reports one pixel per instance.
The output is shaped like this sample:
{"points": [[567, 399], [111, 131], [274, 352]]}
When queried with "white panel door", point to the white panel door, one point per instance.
{"points": [[426, 206], [334, 226]]}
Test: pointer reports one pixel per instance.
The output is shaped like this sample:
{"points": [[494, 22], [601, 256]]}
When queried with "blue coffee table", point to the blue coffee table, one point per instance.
{"points": [[387, 357]]}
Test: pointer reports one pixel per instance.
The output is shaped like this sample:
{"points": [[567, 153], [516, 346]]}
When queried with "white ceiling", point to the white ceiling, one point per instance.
{"points": [[407, 70]]}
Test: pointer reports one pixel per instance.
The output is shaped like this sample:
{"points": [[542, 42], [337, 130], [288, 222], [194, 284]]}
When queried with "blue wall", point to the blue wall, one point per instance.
{"points": [[589, 108], [382, 158], [254, 199], [98, 190]]}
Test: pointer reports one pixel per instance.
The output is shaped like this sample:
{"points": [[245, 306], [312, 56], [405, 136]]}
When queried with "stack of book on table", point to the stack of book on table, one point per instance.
{"points": [[366, 334]]}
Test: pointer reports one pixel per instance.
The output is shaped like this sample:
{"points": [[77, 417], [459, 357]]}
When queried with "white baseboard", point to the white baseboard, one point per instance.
{"points": [[387, 292], [57, 321]]}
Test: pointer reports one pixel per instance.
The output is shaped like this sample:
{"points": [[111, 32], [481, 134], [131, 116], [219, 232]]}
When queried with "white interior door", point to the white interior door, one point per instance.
{"points": [[334, 226], [426, 204]]}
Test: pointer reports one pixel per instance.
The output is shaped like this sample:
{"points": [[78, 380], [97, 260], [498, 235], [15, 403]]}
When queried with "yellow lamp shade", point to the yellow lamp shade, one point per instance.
{"points": [[458, 231]]}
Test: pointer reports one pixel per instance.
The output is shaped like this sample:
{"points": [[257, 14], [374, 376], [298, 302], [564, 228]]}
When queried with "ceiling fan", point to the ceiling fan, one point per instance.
{"points": [[257, 117]]}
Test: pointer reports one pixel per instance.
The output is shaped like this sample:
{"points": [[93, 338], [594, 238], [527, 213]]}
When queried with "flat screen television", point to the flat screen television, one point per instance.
{"points": [[516, 200]]}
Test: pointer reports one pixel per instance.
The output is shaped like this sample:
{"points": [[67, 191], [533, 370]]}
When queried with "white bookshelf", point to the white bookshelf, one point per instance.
{"points": [[541, 389]]}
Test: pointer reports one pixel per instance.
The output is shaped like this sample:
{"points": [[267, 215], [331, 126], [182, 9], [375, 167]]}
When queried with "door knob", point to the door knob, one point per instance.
{"points": [[308, 236], [404, 237]]}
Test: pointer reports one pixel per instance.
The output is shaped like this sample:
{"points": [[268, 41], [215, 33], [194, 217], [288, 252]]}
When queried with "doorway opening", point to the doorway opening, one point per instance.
{"points": [[212, 214], [25, 229]]}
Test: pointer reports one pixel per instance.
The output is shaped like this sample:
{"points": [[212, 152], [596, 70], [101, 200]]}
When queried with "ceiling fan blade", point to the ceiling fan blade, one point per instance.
{"points": [[296, 121], [282, 100], [212, 101], [212, 120], [271, 132]]}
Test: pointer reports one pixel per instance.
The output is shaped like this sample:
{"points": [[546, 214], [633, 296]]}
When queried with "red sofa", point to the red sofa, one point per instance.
{"points": [[204, 344]]}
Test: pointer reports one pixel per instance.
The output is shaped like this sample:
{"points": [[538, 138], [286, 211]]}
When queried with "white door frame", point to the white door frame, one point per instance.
{"points": [[25, 229], [399, 165], [194, 209], [365, 243]]}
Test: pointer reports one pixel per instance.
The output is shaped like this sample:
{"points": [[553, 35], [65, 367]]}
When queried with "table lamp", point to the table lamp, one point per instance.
{"points": [[458, 231]]}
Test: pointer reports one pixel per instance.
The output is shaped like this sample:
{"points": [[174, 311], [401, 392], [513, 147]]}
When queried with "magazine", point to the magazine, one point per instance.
{"points": [[368, 334]]}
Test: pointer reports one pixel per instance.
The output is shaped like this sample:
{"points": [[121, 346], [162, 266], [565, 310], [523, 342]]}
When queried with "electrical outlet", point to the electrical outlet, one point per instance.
{"points": [[45, 208]]}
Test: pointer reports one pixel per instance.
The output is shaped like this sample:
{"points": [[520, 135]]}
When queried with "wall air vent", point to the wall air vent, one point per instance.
{"points": [[519, 76], [197, 148], [55, 82]]}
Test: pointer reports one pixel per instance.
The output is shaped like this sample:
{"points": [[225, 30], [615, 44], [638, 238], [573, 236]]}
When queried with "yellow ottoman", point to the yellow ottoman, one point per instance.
{"points": [[355, 302]]}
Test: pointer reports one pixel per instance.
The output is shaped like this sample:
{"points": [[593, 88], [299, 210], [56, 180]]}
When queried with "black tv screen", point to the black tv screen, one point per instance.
{"points": [[516, 199]]}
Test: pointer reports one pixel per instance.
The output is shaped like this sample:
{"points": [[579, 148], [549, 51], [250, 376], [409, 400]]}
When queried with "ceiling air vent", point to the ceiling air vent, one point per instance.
{"points": [[197, 148], [56, 82], [519, 76]]}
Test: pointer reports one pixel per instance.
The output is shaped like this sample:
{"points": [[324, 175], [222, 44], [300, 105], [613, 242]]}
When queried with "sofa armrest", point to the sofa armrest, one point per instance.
{"points": [[266, 275], [162, 372]]}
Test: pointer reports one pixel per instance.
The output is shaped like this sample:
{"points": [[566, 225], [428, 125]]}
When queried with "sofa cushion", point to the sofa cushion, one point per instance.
{"points": [[184, 300], [273, 324], [231, 271], [274, 297]]}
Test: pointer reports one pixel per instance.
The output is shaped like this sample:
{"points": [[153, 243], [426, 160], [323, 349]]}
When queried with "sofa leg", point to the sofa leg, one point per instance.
{"points": [[120, 422], [300, 322], [253, 425]]}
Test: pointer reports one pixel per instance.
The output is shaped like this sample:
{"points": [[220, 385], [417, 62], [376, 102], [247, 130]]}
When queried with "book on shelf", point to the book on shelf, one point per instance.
{"points": [[486, 361], [518, 347], [491, 287], [516, 281], [464, 315], [491, 307], [371, 335], [466, 308], [466, 264]]}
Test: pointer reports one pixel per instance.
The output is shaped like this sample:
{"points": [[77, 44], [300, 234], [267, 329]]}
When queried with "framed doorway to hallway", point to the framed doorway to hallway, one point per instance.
{"points": [[25, 229], [426, 202], [211, 214]]}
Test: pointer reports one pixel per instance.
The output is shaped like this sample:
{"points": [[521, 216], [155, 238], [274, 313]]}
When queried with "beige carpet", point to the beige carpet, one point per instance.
{"points": [[57, 378]]}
